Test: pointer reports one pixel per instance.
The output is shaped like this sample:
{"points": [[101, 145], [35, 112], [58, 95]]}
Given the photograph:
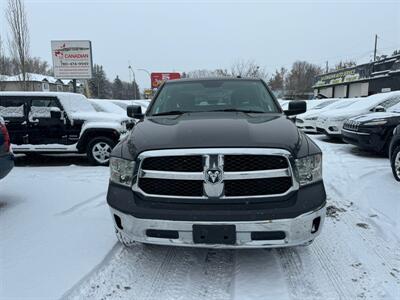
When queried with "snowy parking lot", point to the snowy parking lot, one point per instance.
{"points": [[57, 241]]}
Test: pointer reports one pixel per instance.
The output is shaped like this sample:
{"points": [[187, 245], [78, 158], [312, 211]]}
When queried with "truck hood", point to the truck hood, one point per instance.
{"points": [[214, 130], [99, 117]]}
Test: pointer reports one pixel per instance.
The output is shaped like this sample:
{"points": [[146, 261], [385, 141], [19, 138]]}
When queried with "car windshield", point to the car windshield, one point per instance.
{"points": [[213, 95], [324, 104], [385, 100]]}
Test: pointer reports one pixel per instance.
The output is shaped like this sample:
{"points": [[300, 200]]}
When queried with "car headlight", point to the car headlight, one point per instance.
{"points": [[311, 119], [122, 171], [309, 169], [376, 122]]}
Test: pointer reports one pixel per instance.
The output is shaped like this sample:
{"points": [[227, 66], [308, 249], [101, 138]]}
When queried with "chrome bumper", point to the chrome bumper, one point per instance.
{"points": [[297, 230]]}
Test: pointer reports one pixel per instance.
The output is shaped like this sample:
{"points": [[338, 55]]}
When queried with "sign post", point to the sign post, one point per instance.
{"points": [[72, 59]]}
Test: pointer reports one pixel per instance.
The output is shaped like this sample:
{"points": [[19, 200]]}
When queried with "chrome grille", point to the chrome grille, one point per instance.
{"points": [[351, 125], [215, 173]]}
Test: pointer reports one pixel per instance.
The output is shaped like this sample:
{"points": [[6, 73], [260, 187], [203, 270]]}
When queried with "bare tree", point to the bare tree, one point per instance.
{"points": [[299, 81], [207, 73], [248, 68], [19, 36], [277, 81]]}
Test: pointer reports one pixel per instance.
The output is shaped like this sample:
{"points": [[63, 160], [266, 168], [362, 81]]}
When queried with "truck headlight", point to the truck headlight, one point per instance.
{"points": [[309, 169], [122, 171]]}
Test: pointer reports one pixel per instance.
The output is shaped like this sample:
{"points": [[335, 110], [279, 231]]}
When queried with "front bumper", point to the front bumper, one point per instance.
{"points": [[330, 128], [6, 165], [308, 126], [298, 230]]}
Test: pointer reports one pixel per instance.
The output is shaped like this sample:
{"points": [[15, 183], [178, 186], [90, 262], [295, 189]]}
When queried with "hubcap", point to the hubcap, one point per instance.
{"points": [[101, 152], [397, 164]]}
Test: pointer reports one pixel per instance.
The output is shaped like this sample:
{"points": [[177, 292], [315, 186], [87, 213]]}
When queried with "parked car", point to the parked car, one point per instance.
{"points": [[50, 122], [125, 103], [373, 131], [308, 121], [331, 122], [394, 153], [6, 156], [120, 114], [216, 163], [103, 105]]}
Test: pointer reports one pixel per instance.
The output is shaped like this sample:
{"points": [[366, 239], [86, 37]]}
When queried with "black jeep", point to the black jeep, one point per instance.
{"points": [[41, 122]]}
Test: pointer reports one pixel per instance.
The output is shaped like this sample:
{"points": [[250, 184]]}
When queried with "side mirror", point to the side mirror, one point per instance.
{"points": [[55, 114], [379, 108], [135, 111], [296, 108]]}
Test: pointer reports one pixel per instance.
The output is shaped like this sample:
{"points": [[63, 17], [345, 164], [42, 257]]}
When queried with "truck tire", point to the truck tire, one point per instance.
{"points": [[395, 163], [99, 150]]}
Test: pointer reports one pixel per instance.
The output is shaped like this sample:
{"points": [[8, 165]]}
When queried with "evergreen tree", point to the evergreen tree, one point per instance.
{"points": [[117, 89], [99, 86]]}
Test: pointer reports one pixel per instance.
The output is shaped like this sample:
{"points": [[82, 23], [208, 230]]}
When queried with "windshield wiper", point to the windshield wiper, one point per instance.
{"points": [[240, 110], [172, 112]]}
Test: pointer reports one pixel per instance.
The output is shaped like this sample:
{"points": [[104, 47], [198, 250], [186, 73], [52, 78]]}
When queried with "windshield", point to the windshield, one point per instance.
{"points": [[107, 107], [395, 108], [73, 103], [386, 101], [324, 104], [214, 95]]}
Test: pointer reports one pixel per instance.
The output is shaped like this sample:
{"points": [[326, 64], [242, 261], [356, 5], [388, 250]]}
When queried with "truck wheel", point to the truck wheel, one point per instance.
{"points": [[99, 150], [123, 240], [395, 162]]}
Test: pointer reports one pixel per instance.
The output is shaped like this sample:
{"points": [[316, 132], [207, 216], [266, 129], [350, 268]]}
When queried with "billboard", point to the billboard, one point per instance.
{"points": [[72, 59], [158, 78]]}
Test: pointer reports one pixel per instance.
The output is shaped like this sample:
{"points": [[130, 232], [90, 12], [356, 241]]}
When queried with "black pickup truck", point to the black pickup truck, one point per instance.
{"points": [[215, 162]]}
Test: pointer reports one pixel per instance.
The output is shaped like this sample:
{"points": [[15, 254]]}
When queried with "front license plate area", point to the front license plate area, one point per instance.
{"points": [[214, 234]]}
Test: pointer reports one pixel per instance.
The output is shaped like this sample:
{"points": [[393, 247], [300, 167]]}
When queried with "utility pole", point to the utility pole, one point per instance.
{"points": [[376, 43]]}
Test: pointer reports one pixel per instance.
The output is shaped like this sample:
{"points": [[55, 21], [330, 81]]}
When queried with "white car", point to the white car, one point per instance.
{"points": [[331, 122], [125, 103], [103, 105], [308, 121]]}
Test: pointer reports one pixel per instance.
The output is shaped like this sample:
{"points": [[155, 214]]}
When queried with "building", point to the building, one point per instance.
{"points": [[360, 81], [36, 83]]}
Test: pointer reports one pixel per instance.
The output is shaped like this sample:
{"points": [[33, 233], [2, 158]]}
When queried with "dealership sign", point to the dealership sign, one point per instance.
{"points": [[343, 76], [72, 59], [158, 78]]}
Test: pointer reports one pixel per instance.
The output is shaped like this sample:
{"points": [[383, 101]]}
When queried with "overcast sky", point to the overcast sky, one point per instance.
{"points": [[188, 35]]}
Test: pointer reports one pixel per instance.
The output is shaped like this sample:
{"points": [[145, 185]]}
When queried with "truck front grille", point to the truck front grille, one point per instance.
{"points": [[215, 173]]}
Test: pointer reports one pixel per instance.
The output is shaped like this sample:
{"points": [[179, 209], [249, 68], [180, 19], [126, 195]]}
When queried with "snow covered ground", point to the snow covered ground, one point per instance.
{"points": [[57, 241]]}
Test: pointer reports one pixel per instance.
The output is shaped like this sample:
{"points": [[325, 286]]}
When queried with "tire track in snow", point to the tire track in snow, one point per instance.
{"points": [[301, 286], [80, 204], [330, 269], [159, 272]]}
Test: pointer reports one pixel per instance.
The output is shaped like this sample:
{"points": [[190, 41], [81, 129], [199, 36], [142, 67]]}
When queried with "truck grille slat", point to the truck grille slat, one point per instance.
{"points": [[236, 163], [256, 187]]}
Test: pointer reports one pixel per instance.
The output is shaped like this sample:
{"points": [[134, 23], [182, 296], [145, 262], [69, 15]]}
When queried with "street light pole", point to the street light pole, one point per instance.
{"points": [[148, 73], [134, 81]]}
